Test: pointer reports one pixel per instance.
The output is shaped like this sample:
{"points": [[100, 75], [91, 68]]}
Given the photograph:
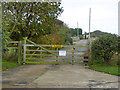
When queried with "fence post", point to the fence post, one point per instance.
{"points": [[41, 55], [57, 56], [72, 55], [90, 52], [24, 54], [19, 51]]}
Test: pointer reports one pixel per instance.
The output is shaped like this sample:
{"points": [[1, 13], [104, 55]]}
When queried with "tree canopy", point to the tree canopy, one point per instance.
{"points": [[28, 19], [76, 31]]}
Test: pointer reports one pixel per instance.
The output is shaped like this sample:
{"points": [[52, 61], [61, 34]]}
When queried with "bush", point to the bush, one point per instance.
{"points": [[104, 48]]}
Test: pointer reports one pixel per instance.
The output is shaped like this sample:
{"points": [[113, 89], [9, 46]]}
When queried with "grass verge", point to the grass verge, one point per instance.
{"points": [[7, 65], [114, 70]]}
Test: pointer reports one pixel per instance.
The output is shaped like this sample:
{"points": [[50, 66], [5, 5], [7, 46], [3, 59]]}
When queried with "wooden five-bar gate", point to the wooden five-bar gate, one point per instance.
{"points": [[30, 52]]}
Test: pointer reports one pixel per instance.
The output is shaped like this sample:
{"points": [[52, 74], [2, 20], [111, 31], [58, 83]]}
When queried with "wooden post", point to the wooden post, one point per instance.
{"points": [[41, 54], [19, 51], [72, 55], [91, 53], [57, 56], [24, 54]]}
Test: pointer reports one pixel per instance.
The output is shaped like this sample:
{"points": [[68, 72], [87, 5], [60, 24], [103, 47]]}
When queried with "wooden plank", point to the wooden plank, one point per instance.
{"points": [[12, 42], [48, 59], [24, 54], [42, 50], [12, 47], [19, 52], [36, 50], [43, 45], [40, 55], [31, 42], [27, 45], [43, 62], [32, 58], [59, 45], [32, 55], [39, 46], [73, 45], [77, 51]]}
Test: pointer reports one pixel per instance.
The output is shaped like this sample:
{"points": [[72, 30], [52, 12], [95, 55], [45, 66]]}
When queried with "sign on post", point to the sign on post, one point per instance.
{"points": [[62, 53], [73, 49]]}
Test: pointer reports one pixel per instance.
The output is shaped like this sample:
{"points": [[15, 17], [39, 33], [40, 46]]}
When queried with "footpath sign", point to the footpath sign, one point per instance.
{"points": [[62, 53]]}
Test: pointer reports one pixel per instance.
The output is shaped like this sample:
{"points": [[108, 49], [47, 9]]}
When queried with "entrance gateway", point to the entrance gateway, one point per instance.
{"points": [[30, 52]]}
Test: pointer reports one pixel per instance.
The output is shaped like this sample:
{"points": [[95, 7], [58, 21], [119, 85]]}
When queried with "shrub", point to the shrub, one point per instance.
{"points": [[104, 48]]}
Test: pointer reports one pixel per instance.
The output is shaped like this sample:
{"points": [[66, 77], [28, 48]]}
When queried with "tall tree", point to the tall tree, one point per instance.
{"points": [[76, 31], [29, 19]]}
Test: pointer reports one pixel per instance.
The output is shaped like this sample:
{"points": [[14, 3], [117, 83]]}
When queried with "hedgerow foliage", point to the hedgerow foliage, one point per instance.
{"points": [[60, 35], [103, 48]]}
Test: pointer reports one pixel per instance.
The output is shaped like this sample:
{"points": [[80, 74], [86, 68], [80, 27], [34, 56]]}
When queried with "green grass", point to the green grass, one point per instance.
{"points": [[7, 65], [106, 68]]}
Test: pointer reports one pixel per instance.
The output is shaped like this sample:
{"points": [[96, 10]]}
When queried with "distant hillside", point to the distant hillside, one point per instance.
{"points": [[98, 33]]}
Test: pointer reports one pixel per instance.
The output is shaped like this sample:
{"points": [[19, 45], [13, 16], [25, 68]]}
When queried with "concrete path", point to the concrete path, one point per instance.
{"points": [[57, 76], [74, 76]]}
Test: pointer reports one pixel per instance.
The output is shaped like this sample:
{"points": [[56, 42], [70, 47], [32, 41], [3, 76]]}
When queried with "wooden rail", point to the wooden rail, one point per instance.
{"points": [[27, 55], [19, 48]]}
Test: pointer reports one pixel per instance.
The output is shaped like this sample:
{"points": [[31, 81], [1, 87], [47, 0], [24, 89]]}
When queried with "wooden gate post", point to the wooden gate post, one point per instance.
{"points": [[41, 55], [57, 56], [73, 55], [24, 54], [90, 56], [19, 51]]}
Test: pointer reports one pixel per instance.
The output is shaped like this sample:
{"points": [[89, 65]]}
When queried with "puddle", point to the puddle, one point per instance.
{"points": [[92, 81], [90, 85], [6, 82], [20, 83]]}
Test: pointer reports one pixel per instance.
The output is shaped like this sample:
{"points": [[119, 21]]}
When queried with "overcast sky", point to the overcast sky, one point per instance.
{"points": [[104, 14]]}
